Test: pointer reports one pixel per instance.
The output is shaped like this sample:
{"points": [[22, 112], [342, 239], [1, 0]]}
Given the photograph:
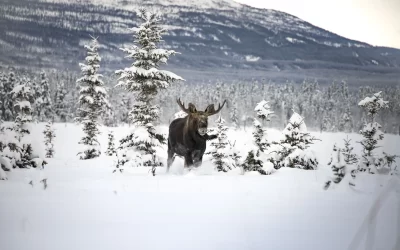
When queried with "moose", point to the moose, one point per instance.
{"points": [[187, 136]]}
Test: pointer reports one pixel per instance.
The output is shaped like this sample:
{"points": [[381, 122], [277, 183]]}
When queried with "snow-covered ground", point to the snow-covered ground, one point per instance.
{"points": [[85, 206]]}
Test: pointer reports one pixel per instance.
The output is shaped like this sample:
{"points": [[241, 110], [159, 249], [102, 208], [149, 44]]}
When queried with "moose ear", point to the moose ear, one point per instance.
{"points": [[192, 108], [210, 108]]}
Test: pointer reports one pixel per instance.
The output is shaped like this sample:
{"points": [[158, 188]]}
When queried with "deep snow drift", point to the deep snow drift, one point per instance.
{"points": [[85, 206]]}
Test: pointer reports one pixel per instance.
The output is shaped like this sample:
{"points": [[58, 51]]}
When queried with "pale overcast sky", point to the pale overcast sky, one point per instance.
{"points": [[376, 22]]}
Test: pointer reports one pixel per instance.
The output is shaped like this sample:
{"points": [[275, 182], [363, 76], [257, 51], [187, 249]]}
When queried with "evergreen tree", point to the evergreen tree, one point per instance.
{"points": [[109, 117], [345, 124], [372, 134], [37, 99], [10, 147], [45, 111], [49, 136], [292, 151], [234, 117], [326, 124], [253, 163], [145, 80], [92, 100], [349, 156], [264, 111], [60, 103], [234, 154], [343, 165], [3, 94], [259, 136], [219, 148], [23, 98], [7, 107], [111, 145], [22, 95]]}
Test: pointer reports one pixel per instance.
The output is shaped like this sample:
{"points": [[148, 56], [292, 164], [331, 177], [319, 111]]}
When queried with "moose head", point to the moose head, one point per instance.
{"points": [[198, 120]]}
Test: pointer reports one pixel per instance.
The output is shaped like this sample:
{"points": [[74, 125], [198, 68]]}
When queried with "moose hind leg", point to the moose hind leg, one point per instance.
{"points": [[170, 160]]}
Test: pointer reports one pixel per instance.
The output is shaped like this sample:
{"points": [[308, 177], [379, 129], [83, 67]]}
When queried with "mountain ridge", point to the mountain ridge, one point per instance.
{"points": [[51, 33]]}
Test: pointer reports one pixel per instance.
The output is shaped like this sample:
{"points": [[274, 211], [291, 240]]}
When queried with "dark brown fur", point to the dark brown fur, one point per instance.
{"points": [[184, 138]]}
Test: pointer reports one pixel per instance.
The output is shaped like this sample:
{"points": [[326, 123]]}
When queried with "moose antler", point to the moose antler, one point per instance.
{"points": [[211, 110], [182, 105]]}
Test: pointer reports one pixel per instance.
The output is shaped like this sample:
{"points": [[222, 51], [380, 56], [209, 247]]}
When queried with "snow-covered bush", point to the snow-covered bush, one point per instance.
{"points": [[92, 100], [293, 150], [370, 161], [49, 136], [144, 79]]}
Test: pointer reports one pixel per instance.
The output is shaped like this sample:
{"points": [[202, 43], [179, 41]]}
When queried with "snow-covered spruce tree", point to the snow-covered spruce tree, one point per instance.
{"points": [[264, 111], [253, 161], [45, 111], [3, 94], [349, 156], [219, 148], [60, 103], [370, 161], [234, 117], [343, 164], [234, 154], [37, 98], [23, 98], [92, 102], [111, 145], [145, 80], [345, 123], [109, 118], [259, 136], [49, 136], [10, 147], [291, 151], [7, 106]]}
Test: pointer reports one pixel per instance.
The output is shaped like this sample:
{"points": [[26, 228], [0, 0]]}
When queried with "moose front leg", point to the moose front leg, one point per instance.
{"points": [[197, 162], [188, 160]]}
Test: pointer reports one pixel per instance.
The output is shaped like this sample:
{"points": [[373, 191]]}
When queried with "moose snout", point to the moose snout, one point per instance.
{"points": [[202, 131]]}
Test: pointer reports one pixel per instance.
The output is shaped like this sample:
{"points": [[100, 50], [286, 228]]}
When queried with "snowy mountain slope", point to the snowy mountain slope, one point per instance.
{"points": [[210, 34], [87, 207]]}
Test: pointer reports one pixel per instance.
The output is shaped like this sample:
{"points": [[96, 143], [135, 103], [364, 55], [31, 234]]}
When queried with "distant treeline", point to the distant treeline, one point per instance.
{"points": [[332, 107]]}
